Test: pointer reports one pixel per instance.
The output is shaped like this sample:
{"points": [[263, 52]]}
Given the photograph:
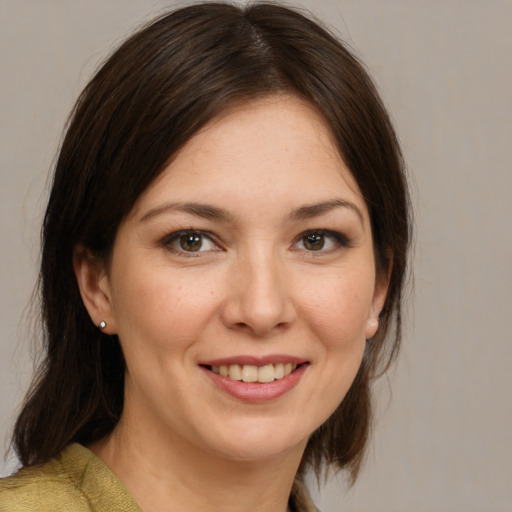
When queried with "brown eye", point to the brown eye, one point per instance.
{"points": [[321, 241], [314, 241], [191, 242]]}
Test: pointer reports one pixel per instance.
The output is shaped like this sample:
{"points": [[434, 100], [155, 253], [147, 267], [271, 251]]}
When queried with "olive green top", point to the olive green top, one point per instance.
{"points": [[78, 481]]}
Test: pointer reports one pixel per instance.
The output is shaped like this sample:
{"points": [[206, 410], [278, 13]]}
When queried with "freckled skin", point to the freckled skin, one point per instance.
{"points": [[254, 291]]}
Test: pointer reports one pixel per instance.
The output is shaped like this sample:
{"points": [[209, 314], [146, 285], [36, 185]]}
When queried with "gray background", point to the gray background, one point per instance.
{"points": [[443, 438]]}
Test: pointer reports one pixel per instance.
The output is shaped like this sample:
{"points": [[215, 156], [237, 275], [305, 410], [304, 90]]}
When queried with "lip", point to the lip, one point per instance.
{"points": [[255, 360], [255, 392]]}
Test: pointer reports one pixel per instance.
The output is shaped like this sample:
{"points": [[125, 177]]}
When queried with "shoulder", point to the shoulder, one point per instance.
{"points": [[43, 488], [75, 481]]}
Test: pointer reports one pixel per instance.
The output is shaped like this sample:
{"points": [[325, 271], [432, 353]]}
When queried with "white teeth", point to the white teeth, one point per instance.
{"points": [[235, 372], [253, 373], [266, 373], [249, 373], [279, 371]]}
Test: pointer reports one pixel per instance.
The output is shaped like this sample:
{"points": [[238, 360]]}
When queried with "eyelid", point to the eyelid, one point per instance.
{"points": [[170, 238], [340, 239]]}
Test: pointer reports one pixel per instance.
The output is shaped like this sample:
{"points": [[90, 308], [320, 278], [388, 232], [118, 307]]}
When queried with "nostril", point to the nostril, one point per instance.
{"points": [[252, 310]]}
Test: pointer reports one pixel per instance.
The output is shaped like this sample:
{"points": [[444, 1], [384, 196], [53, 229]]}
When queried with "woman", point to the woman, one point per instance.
{"points": [[223, 256]]}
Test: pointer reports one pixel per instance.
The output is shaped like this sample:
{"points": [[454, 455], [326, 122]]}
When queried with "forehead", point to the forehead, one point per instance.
{"points": [[277, 148]]}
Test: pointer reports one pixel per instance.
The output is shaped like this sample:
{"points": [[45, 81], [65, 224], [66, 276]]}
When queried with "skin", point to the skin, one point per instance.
{"points": [[256, 287]]}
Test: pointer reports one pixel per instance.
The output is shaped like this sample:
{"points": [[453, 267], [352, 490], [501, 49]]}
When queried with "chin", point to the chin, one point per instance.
{"points": [[261, 442]]}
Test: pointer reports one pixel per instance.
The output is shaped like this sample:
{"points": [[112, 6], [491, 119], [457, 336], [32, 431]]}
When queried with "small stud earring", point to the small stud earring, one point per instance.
{"points": [[102, 324]]}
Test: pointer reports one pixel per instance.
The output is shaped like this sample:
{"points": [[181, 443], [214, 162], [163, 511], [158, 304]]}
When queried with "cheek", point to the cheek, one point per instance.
{"points": [[158, 313], [337, 315], [339, 308], [336, 318]]}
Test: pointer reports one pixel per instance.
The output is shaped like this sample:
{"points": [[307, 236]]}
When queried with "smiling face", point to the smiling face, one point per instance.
{"points": [[242, 286]]}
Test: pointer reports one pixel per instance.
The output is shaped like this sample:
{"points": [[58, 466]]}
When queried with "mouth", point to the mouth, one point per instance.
{"points": [[263, 374], [256, 379]]}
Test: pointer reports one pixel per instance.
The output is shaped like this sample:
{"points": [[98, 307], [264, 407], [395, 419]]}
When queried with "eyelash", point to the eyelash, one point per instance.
{"points": [[170, 239], [337, 239]]}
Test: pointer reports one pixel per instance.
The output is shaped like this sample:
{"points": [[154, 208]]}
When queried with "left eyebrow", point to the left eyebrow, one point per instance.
{"points": [[317, 209]]}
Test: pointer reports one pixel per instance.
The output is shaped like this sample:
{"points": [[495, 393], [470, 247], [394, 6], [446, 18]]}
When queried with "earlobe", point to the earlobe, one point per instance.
{"points": [[379, 299], [372, 325], [94, 289]]}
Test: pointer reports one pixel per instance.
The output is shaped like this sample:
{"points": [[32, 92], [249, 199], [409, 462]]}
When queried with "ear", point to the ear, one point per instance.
{"points": [[94, 288], [379, 298]]}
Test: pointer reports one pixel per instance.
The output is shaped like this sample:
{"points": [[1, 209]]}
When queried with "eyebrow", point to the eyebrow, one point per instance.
{"points": [[208, 211], [199, 209], [317, 209]]}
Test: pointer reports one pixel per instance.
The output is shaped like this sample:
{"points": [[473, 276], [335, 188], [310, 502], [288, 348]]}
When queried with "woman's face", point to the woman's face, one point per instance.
{"points": [[250, 258]]}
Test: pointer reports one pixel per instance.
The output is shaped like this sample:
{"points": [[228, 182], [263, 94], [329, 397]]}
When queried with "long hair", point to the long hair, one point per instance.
{"points": [[146, 101]]}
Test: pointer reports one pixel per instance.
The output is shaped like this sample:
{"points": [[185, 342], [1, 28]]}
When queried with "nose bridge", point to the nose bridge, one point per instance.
{"points": [[261, 298]]}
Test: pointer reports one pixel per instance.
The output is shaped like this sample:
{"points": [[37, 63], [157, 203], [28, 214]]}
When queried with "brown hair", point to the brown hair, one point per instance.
{"points": [[146, 101]]}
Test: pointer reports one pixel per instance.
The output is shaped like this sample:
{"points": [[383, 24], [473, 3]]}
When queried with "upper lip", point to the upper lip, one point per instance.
{"points": [[255, 360]]}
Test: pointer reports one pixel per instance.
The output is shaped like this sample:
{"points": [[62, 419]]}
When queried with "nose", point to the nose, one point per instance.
{"points": [[259, 300]]}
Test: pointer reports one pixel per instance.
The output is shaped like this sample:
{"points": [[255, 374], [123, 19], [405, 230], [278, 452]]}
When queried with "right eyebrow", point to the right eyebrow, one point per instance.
{"points": [[203, 210]]}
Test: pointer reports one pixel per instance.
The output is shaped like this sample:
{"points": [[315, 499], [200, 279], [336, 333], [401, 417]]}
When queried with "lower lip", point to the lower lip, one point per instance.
{"points": [[257, 392]]}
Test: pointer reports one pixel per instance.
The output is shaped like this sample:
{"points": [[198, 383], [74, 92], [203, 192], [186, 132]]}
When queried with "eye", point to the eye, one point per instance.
{"points": [[190, 241], [320, 241]]}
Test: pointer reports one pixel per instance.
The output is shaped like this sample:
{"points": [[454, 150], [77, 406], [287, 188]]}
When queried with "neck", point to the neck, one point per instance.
{"points": [[163, 474]]}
